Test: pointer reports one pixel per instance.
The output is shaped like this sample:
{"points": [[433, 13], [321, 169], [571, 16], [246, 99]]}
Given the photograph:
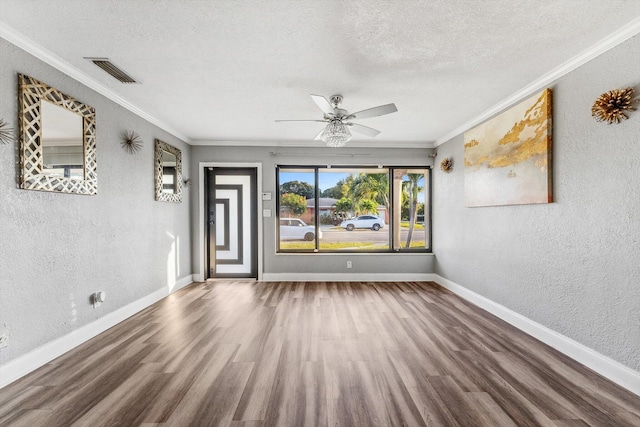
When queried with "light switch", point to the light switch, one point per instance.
{"points": [[266, 196]]}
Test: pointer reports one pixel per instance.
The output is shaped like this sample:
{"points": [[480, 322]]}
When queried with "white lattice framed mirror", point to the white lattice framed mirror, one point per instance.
{"points": [[168, 172], [57, 140]]}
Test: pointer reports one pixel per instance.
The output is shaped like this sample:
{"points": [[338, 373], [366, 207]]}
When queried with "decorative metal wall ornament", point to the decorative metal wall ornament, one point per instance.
{"points": [[131, 141], [188, 182], [611, 106], [6, 133], [446, 165], [31, 93]]}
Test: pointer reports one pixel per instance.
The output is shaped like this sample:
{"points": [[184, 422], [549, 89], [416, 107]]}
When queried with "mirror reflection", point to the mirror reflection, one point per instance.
{"points": [[57, 140], [169, 172], [62, 142]]}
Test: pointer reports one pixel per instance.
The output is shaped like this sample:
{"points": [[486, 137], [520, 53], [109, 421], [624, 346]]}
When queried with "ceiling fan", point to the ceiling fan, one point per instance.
{"points": [[336, 133]]}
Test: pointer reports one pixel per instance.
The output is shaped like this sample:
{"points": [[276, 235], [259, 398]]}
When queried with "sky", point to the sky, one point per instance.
{"points": [[326, 180], [327, 177]]}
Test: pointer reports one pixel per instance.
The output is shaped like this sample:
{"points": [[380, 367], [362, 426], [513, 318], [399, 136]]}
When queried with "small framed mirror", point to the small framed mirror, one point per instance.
{"points": [[168, 166], [57, 140]]}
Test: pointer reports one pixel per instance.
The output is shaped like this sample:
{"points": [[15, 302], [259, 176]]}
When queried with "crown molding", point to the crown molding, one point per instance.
{"points": [[20, 40], [623, 34], [312, 144]]}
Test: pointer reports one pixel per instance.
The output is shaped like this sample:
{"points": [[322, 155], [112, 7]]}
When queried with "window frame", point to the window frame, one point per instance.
{"points": [[391, 213]]}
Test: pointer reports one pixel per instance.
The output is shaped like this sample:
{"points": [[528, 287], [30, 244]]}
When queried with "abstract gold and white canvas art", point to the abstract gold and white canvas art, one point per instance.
{"points": [[507, 160]]}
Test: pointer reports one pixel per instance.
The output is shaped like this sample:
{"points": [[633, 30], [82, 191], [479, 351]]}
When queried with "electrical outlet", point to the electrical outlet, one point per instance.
{"points": [[4, 340], [349, 264]]}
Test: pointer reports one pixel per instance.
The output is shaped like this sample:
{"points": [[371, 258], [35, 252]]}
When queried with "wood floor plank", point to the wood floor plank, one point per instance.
{"points": [[454, 400], [629, 418], [297, 397], [571, 423], [488, 412], [593, 391], [398, 404], [535, 387], [146, 383], [178, 343], [352, 398], [315, 404], [255, 398], [181, 382], [506, 395], [20, 399], [432, 409], [214, 405], [28, 418], [250, 354], [438, 344]]}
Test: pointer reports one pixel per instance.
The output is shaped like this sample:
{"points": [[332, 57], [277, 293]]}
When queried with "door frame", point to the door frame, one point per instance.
{"points": [[202, 253]]}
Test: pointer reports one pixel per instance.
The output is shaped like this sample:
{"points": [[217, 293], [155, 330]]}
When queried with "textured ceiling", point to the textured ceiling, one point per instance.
{"points": [[225, 70]]}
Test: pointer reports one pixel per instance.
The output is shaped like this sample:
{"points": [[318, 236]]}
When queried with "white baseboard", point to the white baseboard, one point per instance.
{"points": [[21, 366], [347, 277], [605, 366]]}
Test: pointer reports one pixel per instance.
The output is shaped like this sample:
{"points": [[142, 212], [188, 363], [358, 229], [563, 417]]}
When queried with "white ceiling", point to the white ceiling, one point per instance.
{"points": [[225, 70]]}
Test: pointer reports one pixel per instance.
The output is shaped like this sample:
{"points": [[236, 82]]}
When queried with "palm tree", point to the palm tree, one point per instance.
{"points": [[344, 206], [367, 206], [411, 189], [372, 186], [346, 186]]}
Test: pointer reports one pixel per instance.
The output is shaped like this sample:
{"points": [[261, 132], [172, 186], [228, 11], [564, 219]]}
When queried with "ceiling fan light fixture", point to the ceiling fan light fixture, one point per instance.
{"points": [[335, 134]]}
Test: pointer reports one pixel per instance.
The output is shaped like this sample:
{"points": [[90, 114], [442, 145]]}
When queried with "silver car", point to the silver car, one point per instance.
{"points": [[363, 221]]}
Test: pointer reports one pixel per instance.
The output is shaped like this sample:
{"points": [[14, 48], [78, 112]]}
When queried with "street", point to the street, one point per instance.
{"points": [[364, 235]]}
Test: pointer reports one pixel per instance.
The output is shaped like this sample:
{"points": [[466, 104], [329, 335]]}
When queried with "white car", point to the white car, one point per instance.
{"points": [[296, 229], [363, 221]]}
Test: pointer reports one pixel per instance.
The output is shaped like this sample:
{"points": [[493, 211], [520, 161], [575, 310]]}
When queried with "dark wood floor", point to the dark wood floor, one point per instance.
{"points": [[329, 354]]}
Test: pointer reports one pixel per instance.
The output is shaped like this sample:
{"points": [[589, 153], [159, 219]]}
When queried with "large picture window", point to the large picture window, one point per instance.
{"points": [[354, 209]]}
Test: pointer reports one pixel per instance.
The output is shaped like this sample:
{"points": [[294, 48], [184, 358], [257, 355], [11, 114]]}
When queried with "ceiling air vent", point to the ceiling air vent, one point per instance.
{"points": [[113, 70]]}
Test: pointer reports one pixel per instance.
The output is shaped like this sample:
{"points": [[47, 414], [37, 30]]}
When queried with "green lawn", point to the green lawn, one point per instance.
{"points": [[328, 246], [341, 245], [403, 224]]}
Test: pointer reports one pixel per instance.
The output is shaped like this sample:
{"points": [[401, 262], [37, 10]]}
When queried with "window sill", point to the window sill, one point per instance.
{"points": [[357, 253]]}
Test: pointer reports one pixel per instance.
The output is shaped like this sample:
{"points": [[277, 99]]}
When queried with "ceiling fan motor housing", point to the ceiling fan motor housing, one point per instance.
{"points": [[340, 113], [336, 100]]}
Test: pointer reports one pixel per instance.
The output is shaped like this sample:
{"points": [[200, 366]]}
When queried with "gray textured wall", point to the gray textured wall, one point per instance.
{"points": [[57, 249], [573, 265], [314, 263]]}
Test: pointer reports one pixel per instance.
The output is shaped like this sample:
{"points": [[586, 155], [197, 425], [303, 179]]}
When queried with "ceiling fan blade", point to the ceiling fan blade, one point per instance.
{"points": [[364, 130], [380, 110], [324, 105], [320, 121], [317, 138]]}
